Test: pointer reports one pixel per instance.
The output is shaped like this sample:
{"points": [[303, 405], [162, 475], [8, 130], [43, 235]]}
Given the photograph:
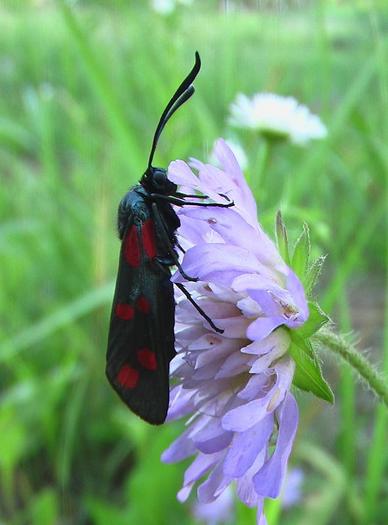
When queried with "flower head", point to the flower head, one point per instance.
{"points": [[234, 385], [166, 7], [292, 488], [274, 115]]}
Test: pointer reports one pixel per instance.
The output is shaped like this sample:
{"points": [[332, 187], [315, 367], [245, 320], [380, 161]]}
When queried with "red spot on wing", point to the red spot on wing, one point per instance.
{"points": [[143, 305], [132, 248], [127, 377], [148, 236], [124, 311], [147, 358]]}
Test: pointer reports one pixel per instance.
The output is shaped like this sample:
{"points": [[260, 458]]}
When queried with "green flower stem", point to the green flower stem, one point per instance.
{"points": [[347, 388], [262, 161], [354, 358]]}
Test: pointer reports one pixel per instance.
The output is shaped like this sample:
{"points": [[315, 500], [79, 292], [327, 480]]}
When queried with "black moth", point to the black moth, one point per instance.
{"points": [[141, 335]]}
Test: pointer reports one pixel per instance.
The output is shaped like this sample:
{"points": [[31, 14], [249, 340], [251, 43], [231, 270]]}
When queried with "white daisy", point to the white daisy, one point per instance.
{"points": [[166, 7], [274, 115]]}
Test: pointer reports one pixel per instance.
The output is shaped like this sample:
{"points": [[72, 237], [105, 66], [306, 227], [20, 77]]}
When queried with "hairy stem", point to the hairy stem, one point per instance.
{"points": [[356, 360]]}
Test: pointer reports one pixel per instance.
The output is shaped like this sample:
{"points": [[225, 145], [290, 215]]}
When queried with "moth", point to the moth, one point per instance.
{"points": [[141, 334]]}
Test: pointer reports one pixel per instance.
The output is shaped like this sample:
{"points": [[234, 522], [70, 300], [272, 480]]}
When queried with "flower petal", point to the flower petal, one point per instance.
{"points": [[215, 484], [269, 478], [201, 464], [245, 488], [264, 362], [262, 327], [234, 327], [181, 403], [184, 493], [260, 518], [233, 365], [180, 173], [232, 228], [246, 446], [219, 352], [248, 414], [241, 192], [217, 263], [256, 386], [297, 292], [206, 341], [181, 448], [213, 438], [280, 337]]}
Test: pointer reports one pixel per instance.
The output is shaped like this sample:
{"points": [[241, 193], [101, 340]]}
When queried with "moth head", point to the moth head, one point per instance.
{"points": [[155, 180]]}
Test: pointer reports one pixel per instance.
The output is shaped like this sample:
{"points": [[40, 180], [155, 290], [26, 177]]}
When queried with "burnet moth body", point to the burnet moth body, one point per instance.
{"points": [[141, 334]]}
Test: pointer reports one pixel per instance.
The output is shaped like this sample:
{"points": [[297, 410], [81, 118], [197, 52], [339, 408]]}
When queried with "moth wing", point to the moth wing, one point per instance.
{"points": [[141, 335]]}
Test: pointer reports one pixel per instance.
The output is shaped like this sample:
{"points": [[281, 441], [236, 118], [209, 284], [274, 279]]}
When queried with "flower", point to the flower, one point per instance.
{"points": [[274, 115], [235, 386], [166, 7], [292, 488], [218, 511]]}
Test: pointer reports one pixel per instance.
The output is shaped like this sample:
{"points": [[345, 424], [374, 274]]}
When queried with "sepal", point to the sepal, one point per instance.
{"points": [[317, 318], [299, 260], [282, 238], [301, 255], [312, 274], [308, 374]]}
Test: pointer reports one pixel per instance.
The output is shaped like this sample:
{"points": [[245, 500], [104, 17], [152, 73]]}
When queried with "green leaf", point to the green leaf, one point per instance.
{"points": [[160, 488], [105, 89], [282, 238], [317, 318], [45, 507], [245, 515], [300, 257], [313, 273], [308, 374], [102, 512]]}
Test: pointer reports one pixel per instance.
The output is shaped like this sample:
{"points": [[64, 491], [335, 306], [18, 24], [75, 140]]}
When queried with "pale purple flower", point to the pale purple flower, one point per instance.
{"points": [[236, 386], [292, 488], [219, 511]]}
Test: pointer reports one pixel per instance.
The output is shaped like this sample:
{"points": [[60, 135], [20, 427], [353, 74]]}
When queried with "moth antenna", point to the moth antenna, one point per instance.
{"points": [[181, 95], [181, 100]]}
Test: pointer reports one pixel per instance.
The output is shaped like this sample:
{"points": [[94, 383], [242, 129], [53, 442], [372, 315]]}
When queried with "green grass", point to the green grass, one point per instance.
{"points": [[82, 90]]}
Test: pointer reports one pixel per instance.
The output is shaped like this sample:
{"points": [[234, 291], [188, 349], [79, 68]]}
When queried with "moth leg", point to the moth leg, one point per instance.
{"points": [[164, 269], [225, 197], [182, 202], [198, 308], [166, 240], [193, 196], [180, 247]]}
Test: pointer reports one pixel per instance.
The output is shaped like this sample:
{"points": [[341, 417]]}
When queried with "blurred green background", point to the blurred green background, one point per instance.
{"points": [[81, 91]]}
